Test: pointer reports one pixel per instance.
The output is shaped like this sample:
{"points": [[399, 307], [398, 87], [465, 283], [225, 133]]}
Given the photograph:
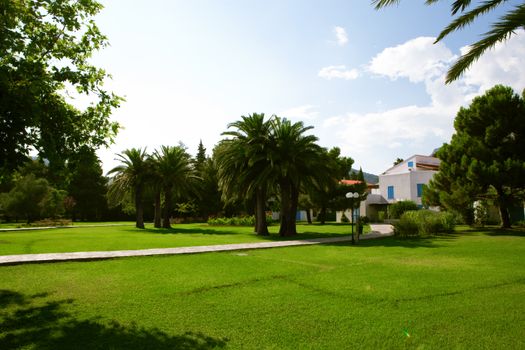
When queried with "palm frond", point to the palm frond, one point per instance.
{"points": [[467, 18], [500, 31], [457, 6], [378, 4]]}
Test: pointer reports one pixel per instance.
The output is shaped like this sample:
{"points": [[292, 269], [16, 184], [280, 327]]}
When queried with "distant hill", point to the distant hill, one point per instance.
{"points": [[369, 178]]}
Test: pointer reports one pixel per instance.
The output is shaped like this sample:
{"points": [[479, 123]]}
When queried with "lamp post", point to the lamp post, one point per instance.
{"points": [[351, 196]]}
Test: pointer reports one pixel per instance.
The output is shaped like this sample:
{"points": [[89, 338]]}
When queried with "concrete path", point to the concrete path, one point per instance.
{"points": [[378, 231]]}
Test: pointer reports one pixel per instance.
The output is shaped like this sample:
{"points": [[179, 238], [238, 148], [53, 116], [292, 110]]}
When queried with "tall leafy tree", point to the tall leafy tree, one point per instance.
{"points": [[208, 199], [210, 196], [130, 178], [176, 175], [323, 197], [27, 198], [200, 158], [485, 154], [244, 165], [46, 45], [297, 160], [467, 11], [86, 185]]}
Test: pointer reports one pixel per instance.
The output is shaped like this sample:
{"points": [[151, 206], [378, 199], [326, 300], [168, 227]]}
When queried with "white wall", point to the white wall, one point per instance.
{"points": [[405, 184]]}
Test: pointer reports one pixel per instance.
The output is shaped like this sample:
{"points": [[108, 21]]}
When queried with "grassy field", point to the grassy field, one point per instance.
{"points": [[128, 237], [458, 291], [76, 223]]}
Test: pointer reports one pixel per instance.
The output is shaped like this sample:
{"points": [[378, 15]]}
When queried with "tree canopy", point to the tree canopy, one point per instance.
{"points": [[130, 178], [485, 157], [244, 164], [45, 47], [467, 12]]}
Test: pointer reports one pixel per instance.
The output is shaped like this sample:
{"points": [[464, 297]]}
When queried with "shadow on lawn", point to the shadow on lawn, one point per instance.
{"points": [[222, 231], [415, 242], [496, 231], [26, 322]]}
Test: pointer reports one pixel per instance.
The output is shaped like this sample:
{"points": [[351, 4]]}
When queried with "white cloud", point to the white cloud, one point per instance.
{"points": [[338, 72], [502, 65], [341, 36], [417, 59], [375, 139], [302, 112]]}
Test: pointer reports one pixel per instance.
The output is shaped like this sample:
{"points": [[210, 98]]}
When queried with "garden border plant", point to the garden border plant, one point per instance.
{"points": [[421, 223]]}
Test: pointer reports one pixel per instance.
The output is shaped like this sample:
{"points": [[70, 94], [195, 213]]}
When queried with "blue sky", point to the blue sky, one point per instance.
{"points": [[370, 82]]}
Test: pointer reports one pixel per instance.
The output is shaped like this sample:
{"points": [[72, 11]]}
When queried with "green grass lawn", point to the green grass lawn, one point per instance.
{"points": [[462, 291], [129, 237]]}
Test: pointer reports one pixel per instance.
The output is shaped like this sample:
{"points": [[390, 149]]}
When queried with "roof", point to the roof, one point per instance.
{"points": [[356, 182], [350, 182], [421, 163]]}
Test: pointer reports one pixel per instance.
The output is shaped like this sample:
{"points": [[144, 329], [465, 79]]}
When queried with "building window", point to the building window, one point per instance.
{"points": [[390, 192], [419, 190], [410, 164]]}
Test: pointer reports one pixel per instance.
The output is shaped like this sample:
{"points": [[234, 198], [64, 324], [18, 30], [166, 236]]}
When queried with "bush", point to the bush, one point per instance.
{"points": [[233, 221], [52, 222], [381, 216], [397, 209], [424, 223]]}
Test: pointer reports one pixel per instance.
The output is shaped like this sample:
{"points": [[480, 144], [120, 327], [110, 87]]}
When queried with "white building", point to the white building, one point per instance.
{"points": [[405, 180]]}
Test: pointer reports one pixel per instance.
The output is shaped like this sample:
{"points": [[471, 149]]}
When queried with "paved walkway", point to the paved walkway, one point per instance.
{"points": [[377, 231]]}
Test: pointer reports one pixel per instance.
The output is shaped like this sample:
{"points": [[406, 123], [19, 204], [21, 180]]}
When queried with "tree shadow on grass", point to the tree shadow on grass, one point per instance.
{"points": [[415, 242], [193, 230], [223, 231], [496, 231], [31, 322]]}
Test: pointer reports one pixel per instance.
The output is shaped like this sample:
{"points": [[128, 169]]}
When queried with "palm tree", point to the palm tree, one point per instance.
{"points": [[130, 177], [154, 181], [244, 168], [500, 31], [297, 161], [176, 174]]}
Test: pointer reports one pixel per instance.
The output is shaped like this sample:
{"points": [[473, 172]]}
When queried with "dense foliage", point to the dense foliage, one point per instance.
{"points": [[395, 210], [272, 156], [233, 221], [45, 48], [485, 157], [423, 223]]}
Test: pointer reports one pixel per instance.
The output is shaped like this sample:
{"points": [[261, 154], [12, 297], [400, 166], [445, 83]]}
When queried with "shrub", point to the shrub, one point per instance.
{"points": [[52, 222], [424, 223], [233, 221], [397, 209], [381, 216]]}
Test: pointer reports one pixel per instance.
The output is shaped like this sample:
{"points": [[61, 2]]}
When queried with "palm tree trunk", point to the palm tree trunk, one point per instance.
{"points": [[167, 207], [294, 204], [287, 227], [261, 227], [139, 208], [157, 215]]}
